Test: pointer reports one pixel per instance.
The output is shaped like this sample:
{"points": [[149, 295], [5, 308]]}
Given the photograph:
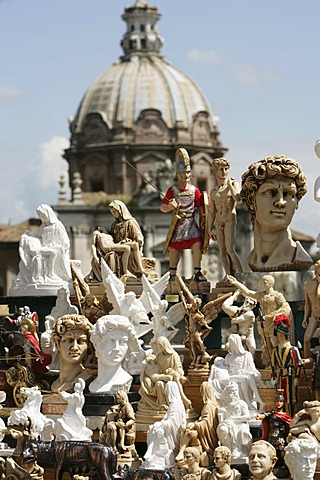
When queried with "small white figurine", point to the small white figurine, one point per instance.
{"points": [[240, 367], [301, 458], [233, 429], [72, 425], [125, 304], [118, 351], [47, 344], [3, 427], [44, 256], [164, 319], [63, 304], [262, 459], [163, 437], [242, 319], [41, 425]]}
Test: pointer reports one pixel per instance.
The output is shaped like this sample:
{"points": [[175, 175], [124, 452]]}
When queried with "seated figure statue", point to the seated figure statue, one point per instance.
{"points": [[119, 428], [44, 256], [238, 366], [72, 425], [202, 434], [160, 367], [233, 429], [163, 438]]}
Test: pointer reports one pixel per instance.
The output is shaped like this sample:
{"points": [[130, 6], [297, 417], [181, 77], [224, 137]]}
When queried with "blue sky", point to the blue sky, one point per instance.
{"points": [[256, 62]]}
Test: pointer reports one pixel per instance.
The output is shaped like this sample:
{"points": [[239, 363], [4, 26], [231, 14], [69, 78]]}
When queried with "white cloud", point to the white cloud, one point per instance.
{"points": [[51, 164], [205, 57], [247, 76], [8, 92]]}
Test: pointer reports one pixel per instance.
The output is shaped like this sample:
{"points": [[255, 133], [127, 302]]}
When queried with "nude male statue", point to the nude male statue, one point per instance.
{"points": [[312, 306], [223, 201]]}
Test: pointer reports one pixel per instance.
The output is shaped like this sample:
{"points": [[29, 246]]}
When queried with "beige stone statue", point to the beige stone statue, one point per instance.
{"points": [[115, 254], [223, 216], [306, 422], [262, 459], [311, 318], [127, 235], [71, 335], [193, 469], [242, 319], [119, 428], [197, 320], [271, 191], [272, 303], [202, 434], [222, 461], [158, 369]]}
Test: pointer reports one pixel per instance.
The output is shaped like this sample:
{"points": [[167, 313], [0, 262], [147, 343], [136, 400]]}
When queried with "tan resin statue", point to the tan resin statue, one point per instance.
{"points": [[202, 434], [223, 201], [71, 335], [127, 236], [271, 191], [116, 255], [198, 320], [301, 456], [311, 308], [262, 459], [119, 428], [306, 422], [272, 303], [222, 461], [158, 369], [193, 469], [182, 200]]}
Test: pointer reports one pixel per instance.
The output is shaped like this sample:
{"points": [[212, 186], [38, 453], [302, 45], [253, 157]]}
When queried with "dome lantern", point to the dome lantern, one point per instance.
{"points": [[141, 37]]}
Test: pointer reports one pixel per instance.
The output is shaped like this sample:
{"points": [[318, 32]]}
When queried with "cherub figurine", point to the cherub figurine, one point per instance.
{"points": [[198, 327], [164, 319]]}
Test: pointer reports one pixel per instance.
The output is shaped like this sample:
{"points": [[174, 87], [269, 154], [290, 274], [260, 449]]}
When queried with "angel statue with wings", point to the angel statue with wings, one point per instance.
{"points": [[198, 323]]}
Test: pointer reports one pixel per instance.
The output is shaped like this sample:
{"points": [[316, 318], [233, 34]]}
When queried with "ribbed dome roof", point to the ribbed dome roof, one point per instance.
{"points": [[142, 79], [129, 87]]}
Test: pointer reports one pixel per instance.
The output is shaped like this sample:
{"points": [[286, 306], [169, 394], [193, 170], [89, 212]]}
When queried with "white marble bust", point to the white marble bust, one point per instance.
{"points": [[118, 351]]}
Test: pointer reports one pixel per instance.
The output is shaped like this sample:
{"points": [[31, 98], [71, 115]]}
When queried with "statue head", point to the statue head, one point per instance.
{"points": [[221, 456], [261, 183], [301, 458], [71, 335], [115, 341], [262, 458]]}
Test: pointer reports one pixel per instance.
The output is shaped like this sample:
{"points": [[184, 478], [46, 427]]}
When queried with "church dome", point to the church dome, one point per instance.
{"points": [[138, 112]]}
